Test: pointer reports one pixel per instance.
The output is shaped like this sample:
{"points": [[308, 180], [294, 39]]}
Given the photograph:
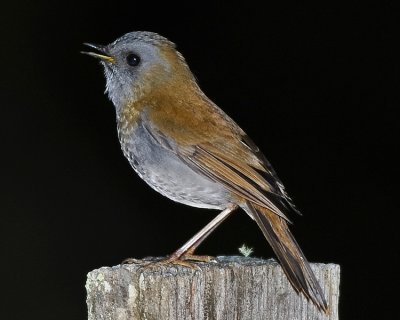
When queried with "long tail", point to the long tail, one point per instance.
{"points": [[292, 259]]}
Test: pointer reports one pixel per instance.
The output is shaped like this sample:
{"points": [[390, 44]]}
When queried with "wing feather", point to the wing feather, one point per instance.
{"points": [[230, 158]]}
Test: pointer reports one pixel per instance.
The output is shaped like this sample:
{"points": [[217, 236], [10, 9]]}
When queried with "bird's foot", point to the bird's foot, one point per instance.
{"points": [[192, 257], [187, 261]]}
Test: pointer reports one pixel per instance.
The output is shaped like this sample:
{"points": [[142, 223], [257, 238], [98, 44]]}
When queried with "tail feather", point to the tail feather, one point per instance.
{"points": [[292, 259]]}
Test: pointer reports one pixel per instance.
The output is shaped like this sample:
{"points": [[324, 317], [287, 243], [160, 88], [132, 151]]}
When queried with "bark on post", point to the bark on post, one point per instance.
{"points": [[230, 288]]}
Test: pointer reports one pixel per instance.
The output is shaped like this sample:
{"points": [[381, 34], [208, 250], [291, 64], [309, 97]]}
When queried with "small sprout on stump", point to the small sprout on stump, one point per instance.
{"points": [[245, 250]]}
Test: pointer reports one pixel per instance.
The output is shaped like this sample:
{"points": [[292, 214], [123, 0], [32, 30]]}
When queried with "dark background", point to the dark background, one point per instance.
{"points": [[315, 87]]}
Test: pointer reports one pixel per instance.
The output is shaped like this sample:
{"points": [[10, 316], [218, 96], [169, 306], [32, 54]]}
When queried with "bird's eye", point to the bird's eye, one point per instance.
{"points": [[133, 59]]}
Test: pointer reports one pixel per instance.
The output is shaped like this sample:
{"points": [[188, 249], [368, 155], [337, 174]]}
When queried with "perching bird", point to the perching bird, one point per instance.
{"points": [[186, 148]]}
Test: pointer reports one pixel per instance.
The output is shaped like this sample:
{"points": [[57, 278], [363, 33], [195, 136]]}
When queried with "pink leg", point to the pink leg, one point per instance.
{"points": [[189, 247]]}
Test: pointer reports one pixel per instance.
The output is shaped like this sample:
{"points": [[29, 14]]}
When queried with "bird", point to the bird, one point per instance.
{"points": [[189, 150]]}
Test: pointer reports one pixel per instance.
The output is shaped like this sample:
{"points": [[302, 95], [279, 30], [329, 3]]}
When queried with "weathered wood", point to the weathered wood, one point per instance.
{"points": [[231, 288]]}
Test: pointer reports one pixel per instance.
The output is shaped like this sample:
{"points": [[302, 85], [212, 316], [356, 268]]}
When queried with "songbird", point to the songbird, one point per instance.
{"points": [[186, 148]]}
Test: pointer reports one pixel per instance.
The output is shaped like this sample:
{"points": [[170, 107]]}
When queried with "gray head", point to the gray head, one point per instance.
{"points": [[136, 63]]}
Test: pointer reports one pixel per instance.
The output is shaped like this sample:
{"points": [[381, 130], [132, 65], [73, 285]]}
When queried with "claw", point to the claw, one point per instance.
{"points": [[143, 261], [132, 261]]}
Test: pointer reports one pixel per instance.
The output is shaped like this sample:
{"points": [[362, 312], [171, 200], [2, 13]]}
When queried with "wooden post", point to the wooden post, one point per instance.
{"points": [[230, 288]]}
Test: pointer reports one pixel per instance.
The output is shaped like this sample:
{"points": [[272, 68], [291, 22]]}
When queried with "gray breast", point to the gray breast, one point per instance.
{"points": [[166, 173]]}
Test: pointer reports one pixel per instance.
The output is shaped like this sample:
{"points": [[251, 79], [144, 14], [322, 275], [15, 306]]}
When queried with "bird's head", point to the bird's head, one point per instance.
{"points": [[138, 62]]}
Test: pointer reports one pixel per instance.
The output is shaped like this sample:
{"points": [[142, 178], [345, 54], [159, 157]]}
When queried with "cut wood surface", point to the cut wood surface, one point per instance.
{"points": [[228, 288]]}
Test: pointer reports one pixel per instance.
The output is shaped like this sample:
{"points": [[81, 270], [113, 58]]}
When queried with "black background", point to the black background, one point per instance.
{"points": [[315, 87]]}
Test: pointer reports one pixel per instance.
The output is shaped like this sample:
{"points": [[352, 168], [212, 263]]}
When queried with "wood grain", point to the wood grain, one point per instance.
{"points": [[230, 288]]}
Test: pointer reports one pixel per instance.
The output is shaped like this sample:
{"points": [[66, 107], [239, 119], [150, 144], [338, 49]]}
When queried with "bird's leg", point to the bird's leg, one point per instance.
{"points": [[185, 253]]}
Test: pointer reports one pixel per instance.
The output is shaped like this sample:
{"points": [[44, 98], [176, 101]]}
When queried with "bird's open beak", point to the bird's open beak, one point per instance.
{"points": [[102, 55]]}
